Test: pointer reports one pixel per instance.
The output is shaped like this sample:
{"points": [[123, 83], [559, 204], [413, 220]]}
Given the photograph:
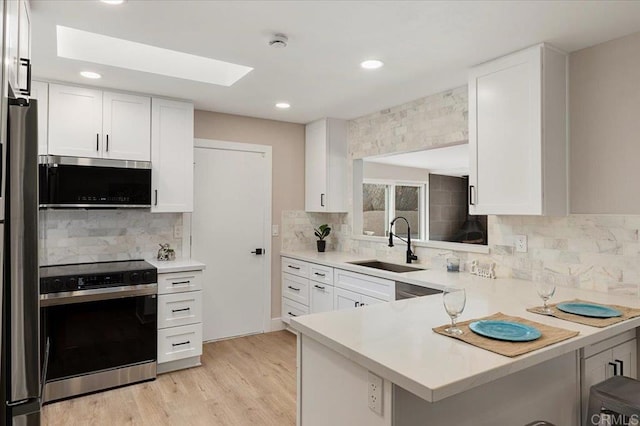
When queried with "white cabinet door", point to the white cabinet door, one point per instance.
{"points": [[518, 134], [24, 46], [368, 300], [625, 356], [345, 299], [126, 126], [75, 121], [172, 155], [40, 92], [12, 35], [505, 134], [316, 166], [321, 297]]}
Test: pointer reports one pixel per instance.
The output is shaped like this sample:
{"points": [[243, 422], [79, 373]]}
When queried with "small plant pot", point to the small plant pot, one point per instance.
{"points": [[322, 245]]}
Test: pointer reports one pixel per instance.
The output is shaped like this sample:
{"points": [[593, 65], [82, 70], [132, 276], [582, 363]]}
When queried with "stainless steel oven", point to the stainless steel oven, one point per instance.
{"points": [[101, 327]]}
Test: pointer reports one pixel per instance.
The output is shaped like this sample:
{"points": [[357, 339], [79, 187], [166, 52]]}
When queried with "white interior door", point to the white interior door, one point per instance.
{"points": [[231, 218]]}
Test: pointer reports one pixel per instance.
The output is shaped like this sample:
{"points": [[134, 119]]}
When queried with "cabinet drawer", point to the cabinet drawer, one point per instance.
{"points": [[295, 288], [365, 284], [177, 282], [179, 309], [292, 309], [295, 267], [320, 273], [179, 342]]}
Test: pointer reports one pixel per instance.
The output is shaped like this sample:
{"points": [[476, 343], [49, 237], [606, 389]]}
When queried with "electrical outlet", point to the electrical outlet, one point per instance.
{"points": [[374, 395], [177, 231], [521, 243]]}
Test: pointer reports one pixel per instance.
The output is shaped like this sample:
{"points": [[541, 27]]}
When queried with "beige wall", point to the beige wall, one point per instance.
{"points": [[287, 141], [605, 127]]}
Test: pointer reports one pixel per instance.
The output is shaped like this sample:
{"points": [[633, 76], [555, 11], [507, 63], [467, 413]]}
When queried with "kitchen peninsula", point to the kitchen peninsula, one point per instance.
{"points": [[433, 379]]}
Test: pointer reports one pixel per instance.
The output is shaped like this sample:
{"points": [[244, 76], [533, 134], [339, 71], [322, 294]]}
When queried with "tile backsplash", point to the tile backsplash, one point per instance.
{"points": [[79, 236]]}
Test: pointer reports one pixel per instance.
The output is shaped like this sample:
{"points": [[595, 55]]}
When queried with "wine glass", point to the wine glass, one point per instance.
{"points": [[545, 290], [454, 299]]}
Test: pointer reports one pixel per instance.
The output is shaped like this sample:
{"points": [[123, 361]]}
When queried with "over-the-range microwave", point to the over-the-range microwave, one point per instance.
{"points": [[73, 182]]}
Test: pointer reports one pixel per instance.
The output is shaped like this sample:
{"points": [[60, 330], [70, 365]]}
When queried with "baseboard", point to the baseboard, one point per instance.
{"points": [[277, 324]]}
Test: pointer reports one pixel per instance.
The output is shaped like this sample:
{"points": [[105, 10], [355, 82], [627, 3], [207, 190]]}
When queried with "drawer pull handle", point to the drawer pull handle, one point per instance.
{"points": [[621, 364], [181, 310], [297, 268], [615, 368], [181, 343], [180, 282], [319, 274], [294, 289], [292, 314], [319, 286]]}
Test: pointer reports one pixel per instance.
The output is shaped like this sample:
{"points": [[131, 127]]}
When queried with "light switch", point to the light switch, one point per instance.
{"points": [[275, 230]]}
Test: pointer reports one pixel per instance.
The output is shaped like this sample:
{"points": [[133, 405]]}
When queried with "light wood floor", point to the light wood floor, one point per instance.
{"points": [[244, 381]]}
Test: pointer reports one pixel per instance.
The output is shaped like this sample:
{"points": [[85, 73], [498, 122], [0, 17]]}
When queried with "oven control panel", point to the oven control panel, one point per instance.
{"points": [[64, 283]]}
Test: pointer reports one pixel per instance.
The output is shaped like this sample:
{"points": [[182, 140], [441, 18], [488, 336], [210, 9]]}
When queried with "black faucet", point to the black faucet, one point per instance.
{"points": [[410, 255]]}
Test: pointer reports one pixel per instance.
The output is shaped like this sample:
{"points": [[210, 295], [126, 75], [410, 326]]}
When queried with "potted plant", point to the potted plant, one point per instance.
{"points": [[322, 232]]}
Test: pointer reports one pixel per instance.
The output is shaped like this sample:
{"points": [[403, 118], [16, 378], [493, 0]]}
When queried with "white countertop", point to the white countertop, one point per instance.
{"points": [[178, 265], [395, 340]]}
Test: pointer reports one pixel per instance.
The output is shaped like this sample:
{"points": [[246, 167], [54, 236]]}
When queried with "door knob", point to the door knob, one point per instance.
{"points": [[258, 252]]}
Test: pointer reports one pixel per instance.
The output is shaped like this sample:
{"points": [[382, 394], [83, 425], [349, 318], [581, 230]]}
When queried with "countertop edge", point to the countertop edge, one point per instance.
{"points": [[178, 265]]}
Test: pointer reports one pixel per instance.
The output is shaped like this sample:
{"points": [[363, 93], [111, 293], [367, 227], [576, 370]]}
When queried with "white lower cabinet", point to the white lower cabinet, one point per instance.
{"points": [[321, 297], [179, 320], [292, 309], [177, 343], [617, 356], [346, 299]]}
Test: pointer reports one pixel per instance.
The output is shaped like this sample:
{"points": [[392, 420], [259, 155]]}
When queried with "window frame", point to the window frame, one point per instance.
{"points": [[390, 202]]}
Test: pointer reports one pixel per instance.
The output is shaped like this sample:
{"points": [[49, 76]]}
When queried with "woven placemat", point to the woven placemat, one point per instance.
{"points": [[550, 335], [627, 313]]}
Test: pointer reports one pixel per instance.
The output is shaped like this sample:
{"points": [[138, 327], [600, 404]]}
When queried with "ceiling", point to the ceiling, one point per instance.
{"points": [[427, 46], [451, 160]]}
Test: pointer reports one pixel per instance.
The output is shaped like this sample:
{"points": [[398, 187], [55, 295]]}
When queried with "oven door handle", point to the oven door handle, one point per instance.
{"points": [[94, 295]]}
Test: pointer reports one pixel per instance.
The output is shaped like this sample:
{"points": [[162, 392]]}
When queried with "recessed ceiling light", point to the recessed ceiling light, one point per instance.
{"points": [[112, 1], [371, 64], [90, 74], [283, 105], [116, 52]]}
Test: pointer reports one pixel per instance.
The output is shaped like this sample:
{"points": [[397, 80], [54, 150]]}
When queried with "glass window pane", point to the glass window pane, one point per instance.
{"points": [[407, 206], [374, 202]]}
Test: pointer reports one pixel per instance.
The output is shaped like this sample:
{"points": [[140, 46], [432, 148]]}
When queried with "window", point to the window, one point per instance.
{"points": [[382, 201]]}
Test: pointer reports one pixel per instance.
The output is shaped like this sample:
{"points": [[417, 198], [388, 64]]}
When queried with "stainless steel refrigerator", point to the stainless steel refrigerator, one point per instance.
{"points": [[20, 367]]}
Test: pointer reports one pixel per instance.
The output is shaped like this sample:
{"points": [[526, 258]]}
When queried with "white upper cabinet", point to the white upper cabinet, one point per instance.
{"points": [[75, 121], [40, 92], [86, 122], [518, 134], [172, 155], [326, 166], [18, 46], [126, 126]]}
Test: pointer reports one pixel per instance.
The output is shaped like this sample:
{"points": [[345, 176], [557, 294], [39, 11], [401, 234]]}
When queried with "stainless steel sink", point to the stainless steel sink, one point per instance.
{"points": [[391, 267]]}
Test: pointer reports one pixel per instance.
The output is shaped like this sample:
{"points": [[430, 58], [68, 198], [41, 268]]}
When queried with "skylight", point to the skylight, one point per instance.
{"points": [[117, 52]]}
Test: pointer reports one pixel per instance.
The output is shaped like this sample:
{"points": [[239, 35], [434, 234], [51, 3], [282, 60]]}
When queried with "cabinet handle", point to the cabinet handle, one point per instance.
{"points": [[293, 288], [357, 304], [180, 282], [97, 142], [319, 286], [181, 343], [321, 200], [615, 368], [293, 267], [319, 274], [156, 195], [181, 310], [292, 314], [471, 197], [107, 143], [621, 364], [27, 63]]}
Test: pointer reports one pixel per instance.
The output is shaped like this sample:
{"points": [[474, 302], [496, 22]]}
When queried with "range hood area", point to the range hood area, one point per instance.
{"points": [[93, 183]]}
